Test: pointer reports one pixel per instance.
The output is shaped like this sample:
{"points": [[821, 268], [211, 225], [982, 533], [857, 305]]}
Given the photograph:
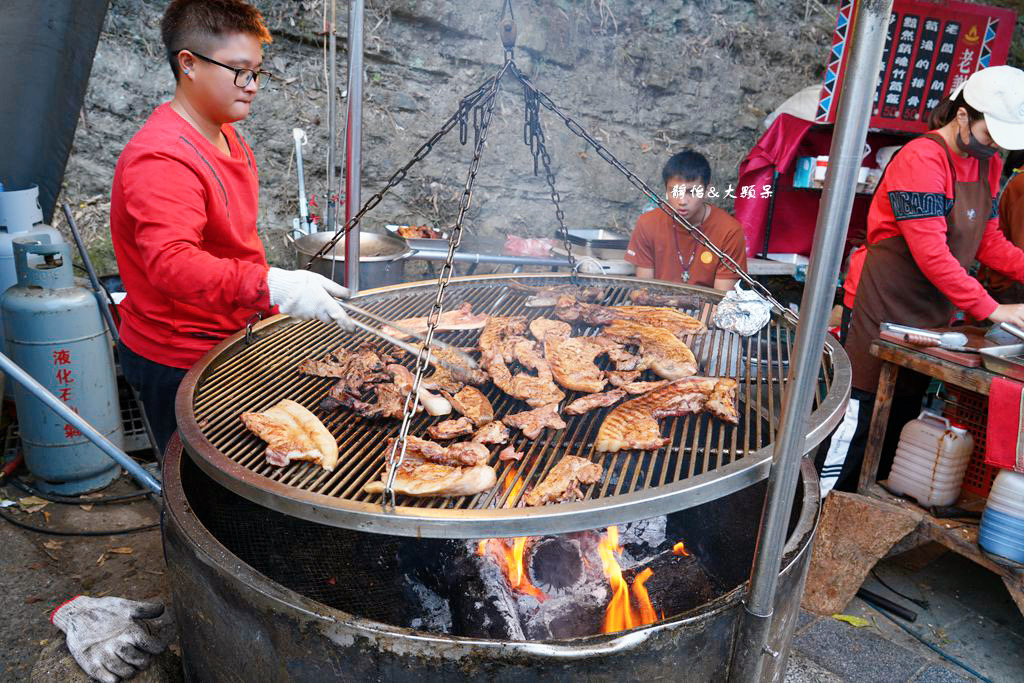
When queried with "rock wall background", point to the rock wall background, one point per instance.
{"points": [[647, 78]]}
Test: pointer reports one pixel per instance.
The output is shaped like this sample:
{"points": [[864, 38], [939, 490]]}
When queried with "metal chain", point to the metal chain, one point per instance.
{"points": [[467, 105], [635, 180], [533, 136], [482, 115]]}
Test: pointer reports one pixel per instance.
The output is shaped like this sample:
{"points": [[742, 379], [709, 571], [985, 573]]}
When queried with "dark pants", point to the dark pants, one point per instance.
{"points": [[157, 386]]}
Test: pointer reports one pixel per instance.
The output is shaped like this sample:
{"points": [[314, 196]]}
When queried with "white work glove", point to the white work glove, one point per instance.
{"points": [[305, 295], [105, 639]]}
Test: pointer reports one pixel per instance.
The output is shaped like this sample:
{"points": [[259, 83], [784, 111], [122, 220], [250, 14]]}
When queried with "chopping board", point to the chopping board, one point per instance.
{"points": [[975, 340]]}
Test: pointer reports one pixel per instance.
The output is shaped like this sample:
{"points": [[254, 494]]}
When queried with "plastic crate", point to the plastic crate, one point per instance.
{"points": [[969, 409]]}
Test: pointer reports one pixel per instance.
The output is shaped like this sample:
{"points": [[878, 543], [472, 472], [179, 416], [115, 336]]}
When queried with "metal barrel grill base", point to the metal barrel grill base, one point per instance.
{"points": [[236, 623], [704, 460], [96, 482]]}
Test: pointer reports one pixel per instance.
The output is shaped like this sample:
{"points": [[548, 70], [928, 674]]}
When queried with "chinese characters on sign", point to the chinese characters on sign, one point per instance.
{"points": [[64, 375], [746, 192]]}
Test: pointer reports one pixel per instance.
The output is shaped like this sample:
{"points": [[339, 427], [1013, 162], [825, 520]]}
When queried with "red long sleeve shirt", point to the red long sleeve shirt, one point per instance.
{"points": [[183, 225], [922, 167]]}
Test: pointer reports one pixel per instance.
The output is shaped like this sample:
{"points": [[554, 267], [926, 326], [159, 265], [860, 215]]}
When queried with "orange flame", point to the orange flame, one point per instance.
{"points": [[620, 614], [680, 549]]}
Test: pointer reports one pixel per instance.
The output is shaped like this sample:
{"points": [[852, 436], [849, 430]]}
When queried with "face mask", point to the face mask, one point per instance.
{"points": [[973, 147]]}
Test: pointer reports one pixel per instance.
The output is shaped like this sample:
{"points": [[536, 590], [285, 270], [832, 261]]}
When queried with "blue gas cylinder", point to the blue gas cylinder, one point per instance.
{"points": [[53, 329]]}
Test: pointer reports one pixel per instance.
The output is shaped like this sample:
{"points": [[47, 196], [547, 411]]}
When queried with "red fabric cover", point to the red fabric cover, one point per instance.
{"points": [[1004, 446], [183, 224]]}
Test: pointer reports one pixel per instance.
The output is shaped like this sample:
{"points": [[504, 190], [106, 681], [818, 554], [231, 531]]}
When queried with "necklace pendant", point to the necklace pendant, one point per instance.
{"points": [[686, 276]]}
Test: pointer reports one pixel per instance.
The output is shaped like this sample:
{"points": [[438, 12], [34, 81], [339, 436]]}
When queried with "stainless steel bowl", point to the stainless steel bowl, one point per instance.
{"points": [[381, 258]]}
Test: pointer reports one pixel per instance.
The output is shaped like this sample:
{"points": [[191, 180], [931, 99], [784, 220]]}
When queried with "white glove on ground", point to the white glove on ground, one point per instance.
{"points": [[105, 639], [306, 295]]}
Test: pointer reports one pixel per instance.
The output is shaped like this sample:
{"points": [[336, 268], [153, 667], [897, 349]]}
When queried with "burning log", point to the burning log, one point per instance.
{"points": [[678, 583]]}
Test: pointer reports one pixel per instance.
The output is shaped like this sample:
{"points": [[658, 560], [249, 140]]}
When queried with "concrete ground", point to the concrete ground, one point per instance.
{"points": [[970, 616]]}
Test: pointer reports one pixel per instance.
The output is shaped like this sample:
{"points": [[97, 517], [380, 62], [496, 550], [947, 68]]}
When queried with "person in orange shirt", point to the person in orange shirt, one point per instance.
{"points": [[1006, 290], [662, 250]]}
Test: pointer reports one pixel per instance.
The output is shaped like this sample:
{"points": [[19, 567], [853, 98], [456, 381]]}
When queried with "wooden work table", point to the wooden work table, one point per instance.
{"points": [[961, 537]]}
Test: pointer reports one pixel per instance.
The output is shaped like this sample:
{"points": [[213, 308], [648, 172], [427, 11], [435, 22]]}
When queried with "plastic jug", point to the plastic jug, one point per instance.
{"points": [[1002, 523], [931, 459]]}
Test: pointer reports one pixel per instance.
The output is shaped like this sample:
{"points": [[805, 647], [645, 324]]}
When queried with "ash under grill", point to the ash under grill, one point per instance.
{"points": [[705, 458]]}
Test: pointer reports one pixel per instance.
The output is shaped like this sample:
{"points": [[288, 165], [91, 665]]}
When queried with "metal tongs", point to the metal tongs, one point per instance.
{"points": [[468, 362], [951, 341]]}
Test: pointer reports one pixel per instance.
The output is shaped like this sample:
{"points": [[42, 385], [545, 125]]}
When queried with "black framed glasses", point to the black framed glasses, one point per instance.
{"points": [[243, 77]]}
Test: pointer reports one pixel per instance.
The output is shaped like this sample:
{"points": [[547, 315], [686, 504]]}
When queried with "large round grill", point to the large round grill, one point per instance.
{"points": [[705, 458]]}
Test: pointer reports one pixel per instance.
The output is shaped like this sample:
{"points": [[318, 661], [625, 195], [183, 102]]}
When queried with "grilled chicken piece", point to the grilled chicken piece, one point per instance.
{"points": [[390, 401], [563, 481], [645, 297], [428, 479], [448, 379], [532, 422], [293, 433], [634, 424], [461, 454], [591, 401], [643, 387], [541, 327], [663, 351], [450, 429], [547, 296], [432, 403], [680, 324], [498, 338], [509, 453], [493, 432], [536, 391], [461, 318], [472, 403], [572, 361], [354, 369]]}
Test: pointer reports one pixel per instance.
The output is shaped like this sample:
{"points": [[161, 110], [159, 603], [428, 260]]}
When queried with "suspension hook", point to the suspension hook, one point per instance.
{"points": [[507, 30]]}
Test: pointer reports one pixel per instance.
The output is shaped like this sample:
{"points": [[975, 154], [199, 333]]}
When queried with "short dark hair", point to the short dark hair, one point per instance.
{"points": [[688, 165], [945, 111], [193, 24]]}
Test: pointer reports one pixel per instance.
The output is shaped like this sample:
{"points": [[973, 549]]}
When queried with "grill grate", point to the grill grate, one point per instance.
{"points": [[705, 458]]}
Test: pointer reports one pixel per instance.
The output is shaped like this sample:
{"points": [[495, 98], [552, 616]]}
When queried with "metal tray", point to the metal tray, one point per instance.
{"points": [[1005, 360], [420, 242], [598, 238]]}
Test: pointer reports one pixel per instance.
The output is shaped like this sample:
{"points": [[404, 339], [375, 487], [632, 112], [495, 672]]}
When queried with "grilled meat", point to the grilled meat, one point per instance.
{"points": [[509, 453], [293, 433], [572, 361], [432, 403], [428, 479], [418, 232], [591, 401], [498, 338], [645, 297], [450, 429], [390, 401], [493, 432], [547, 296], [563, 481], [471, 402], [663, 351], [536, 391], [540, 327], [461, 318], [448, 379], [461, 454], [680, 324], [634, 424], [643, 387], [533, 422], [354, 369]]}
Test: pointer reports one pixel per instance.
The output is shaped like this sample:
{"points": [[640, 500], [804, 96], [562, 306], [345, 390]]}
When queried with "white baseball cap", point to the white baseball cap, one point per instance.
{"points": [[998, 93]]}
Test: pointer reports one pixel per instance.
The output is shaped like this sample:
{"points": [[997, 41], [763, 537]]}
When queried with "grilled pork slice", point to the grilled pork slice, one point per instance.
{"points": [[493, 432], [355, 368], [450, 429], [591, 401], [533, 422], [498, 338], [509, 453], [634, 424], [680, 324], [536, 391], [645, 297], [461, 318], [432, 403], [572, 361], [461, 454], [472, 403], [563, 481], [428, 479], [448, 379], [293, 433], [541, 327], [643, 387], [663, 351], [547, 296]]}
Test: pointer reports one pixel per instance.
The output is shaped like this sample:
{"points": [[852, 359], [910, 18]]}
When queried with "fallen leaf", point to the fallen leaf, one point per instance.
{"points": [[37, 565], [101, 559], [122, 550], [46, 516], [858, 622], [31, 501], [87, 508], [154, 572], [53, 545], [32, 600]]}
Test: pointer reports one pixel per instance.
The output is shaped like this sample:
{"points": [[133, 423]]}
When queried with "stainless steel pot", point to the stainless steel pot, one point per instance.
{"points": [[381, 258]]}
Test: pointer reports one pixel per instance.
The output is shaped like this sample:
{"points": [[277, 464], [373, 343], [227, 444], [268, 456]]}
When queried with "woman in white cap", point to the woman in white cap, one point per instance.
{"points": [[933, 215]]}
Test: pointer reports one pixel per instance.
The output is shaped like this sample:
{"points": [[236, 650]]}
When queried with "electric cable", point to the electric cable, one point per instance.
{"points": [[61, 532], [922, 603], [76, 500]]}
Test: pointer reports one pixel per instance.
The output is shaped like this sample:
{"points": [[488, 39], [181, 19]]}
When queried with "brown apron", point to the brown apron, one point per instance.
{"points": [[893, 289]]}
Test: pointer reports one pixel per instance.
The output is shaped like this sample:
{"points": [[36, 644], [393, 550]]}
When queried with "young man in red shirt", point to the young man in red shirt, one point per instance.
{"points": [[662, 250], [183, 211]]}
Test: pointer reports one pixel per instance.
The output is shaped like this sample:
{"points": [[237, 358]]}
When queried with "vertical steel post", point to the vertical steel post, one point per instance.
{"points": [[856, 99], [332, 125], [353, 141]]}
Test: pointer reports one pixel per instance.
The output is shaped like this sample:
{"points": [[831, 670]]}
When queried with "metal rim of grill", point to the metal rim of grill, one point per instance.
{"points": [[705, 459]]}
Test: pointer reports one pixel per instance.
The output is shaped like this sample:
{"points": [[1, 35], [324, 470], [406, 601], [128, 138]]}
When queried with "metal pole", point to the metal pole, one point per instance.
{"points": [[332, 125], [870, 29], [353, 141], [298, 135], [14, 371], [109, 318]]}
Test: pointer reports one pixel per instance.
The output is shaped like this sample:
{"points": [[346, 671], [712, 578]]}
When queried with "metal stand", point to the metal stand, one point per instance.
{"points": [[353, 142], [871, 27]]}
